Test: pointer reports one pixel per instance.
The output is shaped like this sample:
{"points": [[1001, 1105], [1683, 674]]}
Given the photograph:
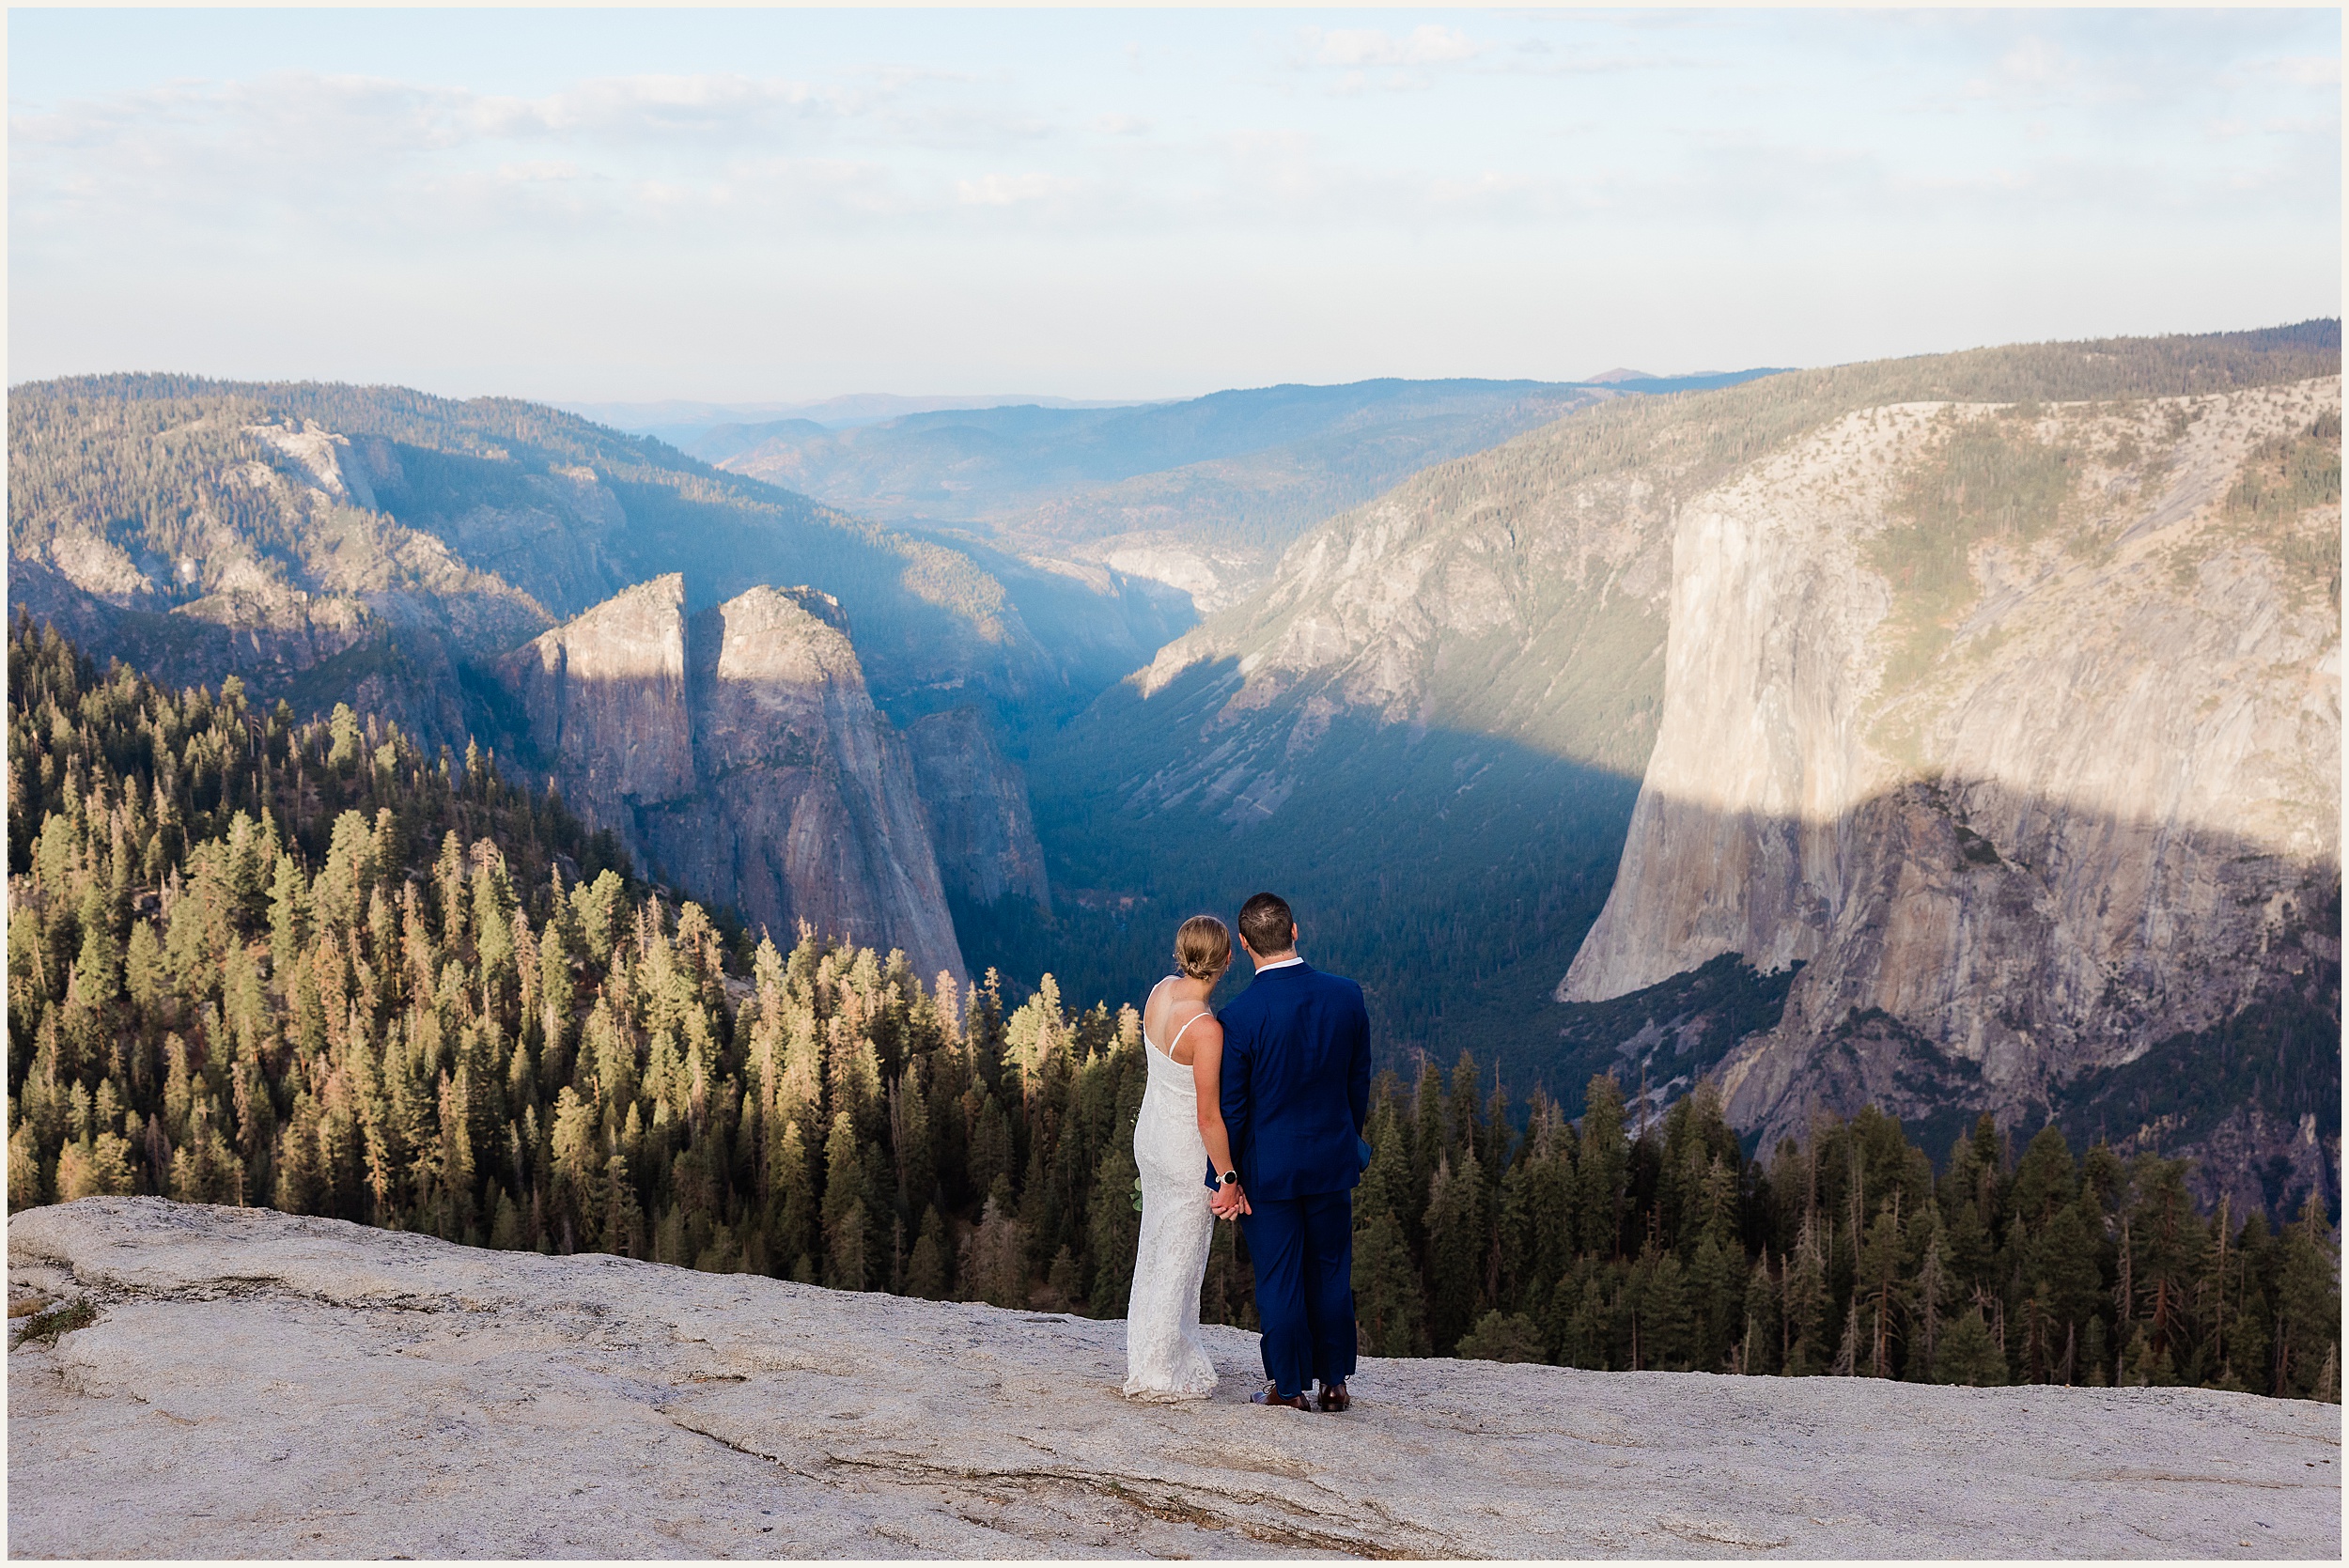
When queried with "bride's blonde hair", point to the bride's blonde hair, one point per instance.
{"points": [[1202, 948]]}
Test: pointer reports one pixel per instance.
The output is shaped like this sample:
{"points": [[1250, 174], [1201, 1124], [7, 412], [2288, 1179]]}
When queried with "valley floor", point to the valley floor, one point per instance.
{"points": [[260, 1385]]}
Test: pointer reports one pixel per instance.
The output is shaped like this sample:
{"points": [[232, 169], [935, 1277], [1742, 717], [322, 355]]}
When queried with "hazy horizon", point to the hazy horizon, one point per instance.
{"points": [[787, 208]]}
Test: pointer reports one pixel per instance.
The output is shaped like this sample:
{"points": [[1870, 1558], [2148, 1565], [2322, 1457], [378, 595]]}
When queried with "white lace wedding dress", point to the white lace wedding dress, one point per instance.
{"points": [[1164, 1359]]}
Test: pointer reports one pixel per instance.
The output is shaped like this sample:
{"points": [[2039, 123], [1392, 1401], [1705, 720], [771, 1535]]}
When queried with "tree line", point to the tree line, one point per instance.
{"points": [[304, 965]]}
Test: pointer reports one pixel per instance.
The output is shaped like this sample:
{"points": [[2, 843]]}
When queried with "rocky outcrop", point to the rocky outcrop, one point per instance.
{"points": [[977, 802], [2029, 780], [260, 1385], [738, 753], [603, 697]]}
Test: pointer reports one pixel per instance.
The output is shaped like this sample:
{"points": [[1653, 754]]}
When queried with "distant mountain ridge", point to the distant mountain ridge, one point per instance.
{"points": [[1198, 495], [680, 421]]}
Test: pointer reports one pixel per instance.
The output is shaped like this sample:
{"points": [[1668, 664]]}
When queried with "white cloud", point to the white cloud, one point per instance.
{"points": [[2300, 70], [1373, 46], [1014, 190], [2033, 62]]}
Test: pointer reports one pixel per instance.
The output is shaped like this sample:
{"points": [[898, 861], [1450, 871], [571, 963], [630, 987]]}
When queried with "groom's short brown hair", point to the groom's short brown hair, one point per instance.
{"points": [[1265, 920]]}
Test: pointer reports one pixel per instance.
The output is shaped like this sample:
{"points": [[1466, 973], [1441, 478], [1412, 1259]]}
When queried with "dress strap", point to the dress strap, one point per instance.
{"points": [[1181, 1032]]}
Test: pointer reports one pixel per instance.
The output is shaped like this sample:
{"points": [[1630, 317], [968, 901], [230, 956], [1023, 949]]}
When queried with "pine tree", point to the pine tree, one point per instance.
{"points": [[995, 1262], [1503, 1337], [1457, 1241], [927, 1270], [1969, 1354], [1388, 1294], [1116, 1227], [2308, 1310], [1601, 1180]]}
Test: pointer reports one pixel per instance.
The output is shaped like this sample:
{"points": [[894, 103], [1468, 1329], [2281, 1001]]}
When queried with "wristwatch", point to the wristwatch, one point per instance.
{"points": [[1231, 1178]]}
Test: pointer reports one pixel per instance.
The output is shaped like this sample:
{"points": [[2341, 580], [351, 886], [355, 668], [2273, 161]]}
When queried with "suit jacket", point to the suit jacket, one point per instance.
{"points": [[1296, 1082]]}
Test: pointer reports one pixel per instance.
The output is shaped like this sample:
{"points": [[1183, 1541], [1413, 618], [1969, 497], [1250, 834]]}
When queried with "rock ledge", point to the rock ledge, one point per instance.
{"points": [[257, 1384]]}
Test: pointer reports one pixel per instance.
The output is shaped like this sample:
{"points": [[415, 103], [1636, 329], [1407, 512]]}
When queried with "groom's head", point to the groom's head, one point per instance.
{"points": [[1266, 928]]}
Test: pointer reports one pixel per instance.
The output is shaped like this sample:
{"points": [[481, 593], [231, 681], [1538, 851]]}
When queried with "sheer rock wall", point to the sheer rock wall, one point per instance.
{"points": [[738, 753], [2013, 838]]}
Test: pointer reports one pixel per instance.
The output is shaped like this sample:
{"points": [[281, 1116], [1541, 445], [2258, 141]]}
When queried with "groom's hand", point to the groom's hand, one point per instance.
{"points": [[1229, 1203]]}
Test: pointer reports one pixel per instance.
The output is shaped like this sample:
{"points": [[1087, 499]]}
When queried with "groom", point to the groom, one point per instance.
{"points": [[1296, 1098]]}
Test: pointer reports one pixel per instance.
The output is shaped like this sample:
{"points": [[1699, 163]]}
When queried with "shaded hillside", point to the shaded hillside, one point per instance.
{"points": [[1481, 647]]}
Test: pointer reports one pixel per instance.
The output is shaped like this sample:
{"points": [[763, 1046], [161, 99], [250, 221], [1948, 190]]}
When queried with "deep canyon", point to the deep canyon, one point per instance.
{"points": [[1984, 707]]}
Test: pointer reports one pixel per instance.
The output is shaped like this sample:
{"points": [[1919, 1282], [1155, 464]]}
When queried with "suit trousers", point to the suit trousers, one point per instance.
{"points": [[1303, 1254]]}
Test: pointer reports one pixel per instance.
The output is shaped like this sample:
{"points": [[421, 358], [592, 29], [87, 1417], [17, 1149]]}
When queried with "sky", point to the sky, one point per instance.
{"points": [[743, 205]]}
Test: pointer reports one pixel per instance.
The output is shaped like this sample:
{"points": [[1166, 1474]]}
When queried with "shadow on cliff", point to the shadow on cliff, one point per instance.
{"points": [[2223, 1046], [1456, 875], [2168, 988]]}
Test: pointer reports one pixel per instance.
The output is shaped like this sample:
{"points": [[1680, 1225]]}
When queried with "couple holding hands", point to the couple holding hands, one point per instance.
{"points": [[1267, 1102]]}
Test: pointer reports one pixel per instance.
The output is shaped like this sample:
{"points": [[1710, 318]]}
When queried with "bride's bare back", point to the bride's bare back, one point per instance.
{"points": [[1177, 1017]]}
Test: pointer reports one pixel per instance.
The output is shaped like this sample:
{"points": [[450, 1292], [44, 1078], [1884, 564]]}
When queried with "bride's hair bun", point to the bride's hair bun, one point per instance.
{"points": [[1202, 948]]}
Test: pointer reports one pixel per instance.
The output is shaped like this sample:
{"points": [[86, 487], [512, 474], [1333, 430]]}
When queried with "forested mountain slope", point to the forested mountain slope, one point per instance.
{"points": [[1430, 727], [254, 961], [374, 546], [281, 525]]}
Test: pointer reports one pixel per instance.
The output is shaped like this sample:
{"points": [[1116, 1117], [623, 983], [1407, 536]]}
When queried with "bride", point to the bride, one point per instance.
{"points": [[1179, 1134]]}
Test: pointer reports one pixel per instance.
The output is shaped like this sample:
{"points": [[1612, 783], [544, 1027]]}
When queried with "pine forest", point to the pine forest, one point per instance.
{"points": [[307, 966]]}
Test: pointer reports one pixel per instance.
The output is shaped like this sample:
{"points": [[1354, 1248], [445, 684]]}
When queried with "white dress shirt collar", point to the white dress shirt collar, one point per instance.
{"points": [[1279, 964]]}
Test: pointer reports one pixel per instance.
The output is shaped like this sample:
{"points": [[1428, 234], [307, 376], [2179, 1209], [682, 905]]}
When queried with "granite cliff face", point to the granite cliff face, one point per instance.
{"points": [[738, 753], [605, 696], [2020, 728], [978, 802]]}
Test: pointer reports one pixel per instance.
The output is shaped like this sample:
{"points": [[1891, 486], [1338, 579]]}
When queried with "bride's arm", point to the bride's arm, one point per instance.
{"points": [[1207, 1074]]}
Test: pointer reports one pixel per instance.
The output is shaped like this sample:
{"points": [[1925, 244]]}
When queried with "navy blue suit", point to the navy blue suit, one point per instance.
{"points": [[1295, 1101]]}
